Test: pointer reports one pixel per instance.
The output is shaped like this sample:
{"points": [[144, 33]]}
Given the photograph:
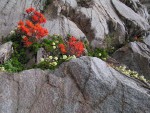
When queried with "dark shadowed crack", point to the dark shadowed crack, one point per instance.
{"points": [[37, 94], [81, 89], [18, 92], [85, 3], [131, 26], [18, 99], [123, 99]]}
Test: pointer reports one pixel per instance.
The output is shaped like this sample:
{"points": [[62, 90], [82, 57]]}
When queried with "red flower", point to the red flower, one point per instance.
{"points": [[35, 18], [72, 39], [25, 39], [29, 10], [76, 47], [20, 23], [24, 29], [32, 28], [37, 13], [28, 43], [29, 23], [62, 48]]}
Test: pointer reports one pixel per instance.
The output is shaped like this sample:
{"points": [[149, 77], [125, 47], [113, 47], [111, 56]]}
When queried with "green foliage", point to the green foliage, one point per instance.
{"points": [[96, 52], [100, 53], [35, 47], [13, 65], [55, 58], [19, 57], [111, 45]]}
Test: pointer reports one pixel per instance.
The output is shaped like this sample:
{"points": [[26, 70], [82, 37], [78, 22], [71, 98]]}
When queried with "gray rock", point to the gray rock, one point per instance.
{"points": [[40, 54], [8, 93], [136, 56], [147, 40], [147, 4], [92, 19], [5, 51], [138, 6], [64, 26], [130, 16], [84, 85]]}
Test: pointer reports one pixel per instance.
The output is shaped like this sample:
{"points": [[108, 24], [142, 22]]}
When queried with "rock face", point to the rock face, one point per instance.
{"points": [[136, 56], [147, 4], [84, 85], [93, 19], [5, 52]]}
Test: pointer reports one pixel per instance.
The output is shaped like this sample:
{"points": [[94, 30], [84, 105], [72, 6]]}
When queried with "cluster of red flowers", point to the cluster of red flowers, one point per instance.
{"points": [[74, 47], [31, 28], [62, 48]]}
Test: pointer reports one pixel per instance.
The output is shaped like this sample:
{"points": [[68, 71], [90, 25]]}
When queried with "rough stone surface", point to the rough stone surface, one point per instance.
{"points": [[136, 56], [130, 15], [147, 4], [84, 85], [147, 40], [5, 51], [40, 54]]}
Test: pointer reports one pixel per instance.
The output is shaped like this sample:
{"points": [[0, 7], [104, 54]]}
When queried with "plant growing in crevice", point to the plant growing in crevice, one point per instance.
{"points": [[128, 72], [24, 38], [96, 52], [60, 50]]}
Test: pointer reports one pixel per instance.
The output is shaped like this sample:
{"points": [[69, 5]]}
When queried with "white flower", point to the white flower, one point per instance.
{"points": [[2, 69], [54, 63], [56, 58], [53, 44], [73, 57], [42, 59], [64, 57], [142, 78], [12, 32], [136, 75], [50, 57], [54, 47], [99, 54]]}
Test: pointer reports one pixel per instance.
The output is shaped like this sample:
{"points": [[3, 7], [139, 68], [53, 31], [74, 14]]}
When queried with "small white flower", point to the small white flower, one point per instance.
{"points": [[12, 32], [64, 57], [54, 63], [53, 44], [73, 57], [99, 54], [54, 47], [56, 58], [50, 57], [136, 75], [42, 59]]}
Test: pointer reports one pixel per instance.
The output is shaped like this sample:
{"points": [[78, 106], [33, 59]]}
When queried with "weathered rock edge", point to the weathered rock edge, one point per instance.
{"points": [[84, 85]]}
